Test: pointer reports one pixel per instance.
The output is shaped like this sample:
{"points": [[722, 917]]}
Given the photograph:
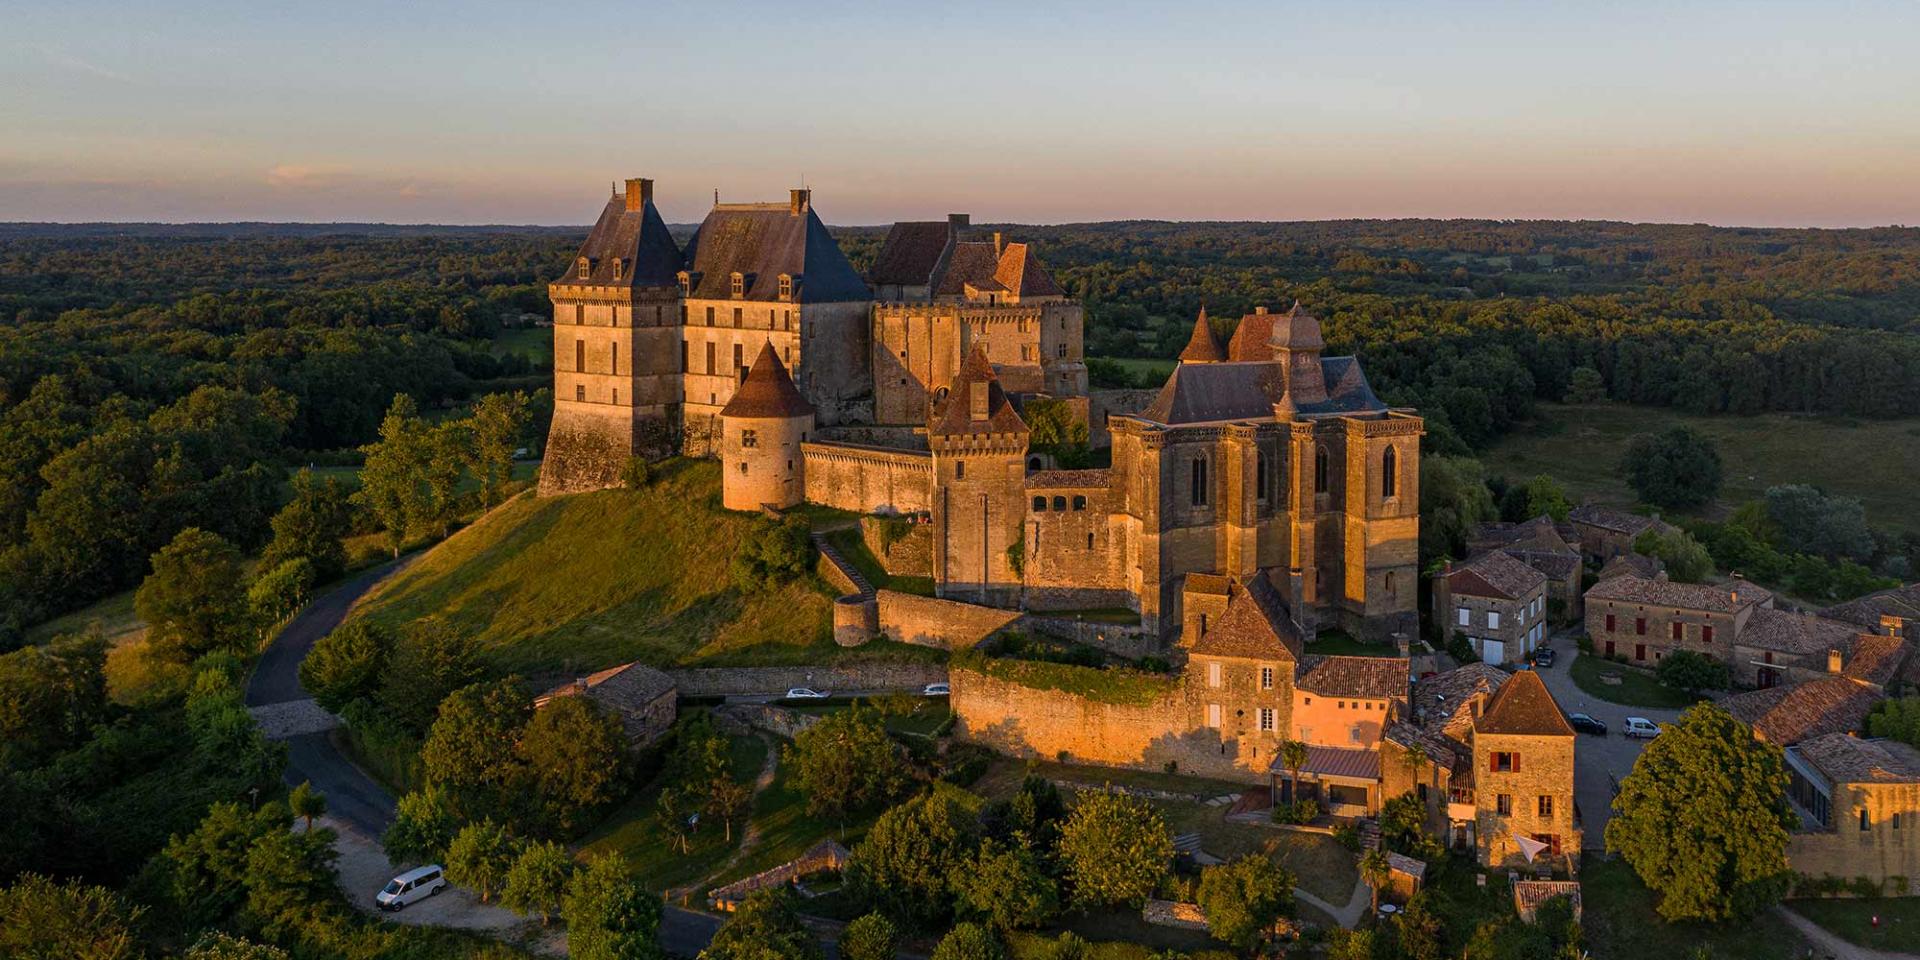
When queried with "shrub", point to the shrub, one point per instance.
{"points": [[636, 474], [1304, 810], [870, 937], [1348, 836], [772, 552], [969, 941], [1691, 672]]}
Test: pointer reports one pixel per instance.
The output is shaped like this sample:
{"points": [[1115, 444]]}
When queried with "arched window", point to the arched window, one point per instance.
{"points": [[1059, 503], [1389, 473], [1260, 475], [1079, 503], [1039, 504], [1198, 492], [1320, 469]]}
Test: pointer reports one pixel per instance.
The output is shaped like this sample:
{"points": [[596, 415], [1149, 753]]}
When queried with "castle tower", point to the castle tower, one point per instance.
{"points": [[979, 448], [1202, 346], [1296, 345], [761, 429], [616, 347]]}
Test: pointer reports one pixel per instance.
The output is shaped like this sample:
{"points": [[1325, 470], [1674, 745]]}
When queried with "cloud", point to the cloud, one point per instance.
{"points": [[61, 58], [302, 176]]}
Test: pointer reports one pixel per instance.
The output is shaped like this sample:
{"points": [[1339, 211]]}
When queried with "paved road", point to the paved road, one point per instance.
{"points": [[1596, 759]]}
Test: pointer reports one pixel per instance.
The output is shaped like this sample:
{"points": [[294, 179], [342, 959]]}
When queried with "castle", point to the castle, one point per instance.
{"points": [[906, 392]]}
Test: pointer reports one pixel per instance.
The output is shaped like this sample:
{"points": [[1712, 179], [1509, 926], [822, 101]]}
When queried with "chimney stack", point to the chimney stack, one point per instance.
{"points": [[1262, 309], [999, 243], [798, 201], [639, 194], [1834, 660], [957, 220]]}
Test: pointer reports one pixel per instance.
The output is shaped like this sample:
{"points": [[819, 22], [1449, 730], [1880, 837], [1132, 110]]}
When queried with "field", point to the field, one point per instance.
{"points": [[568, 584], [534, 343], [1620, 922], [1898, 929], [1873, 460]]}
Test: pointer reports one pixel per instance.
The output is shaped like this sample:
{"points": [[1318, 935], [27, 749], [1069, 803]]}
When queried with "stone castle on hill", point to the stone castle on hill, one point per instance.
{"points": [[901, 392]]}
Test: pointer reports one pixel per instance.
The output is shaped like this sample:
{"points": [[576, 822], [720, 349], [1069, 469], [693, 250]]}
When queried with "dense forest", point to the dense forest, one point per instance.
{"points": [[154, 377]]}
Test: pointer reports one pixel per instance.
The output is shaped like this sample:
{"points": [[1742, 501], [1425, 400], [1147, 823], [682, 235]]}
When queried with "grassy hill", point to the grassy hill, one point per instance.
{"points": [[566, 584], [1874, 460]]}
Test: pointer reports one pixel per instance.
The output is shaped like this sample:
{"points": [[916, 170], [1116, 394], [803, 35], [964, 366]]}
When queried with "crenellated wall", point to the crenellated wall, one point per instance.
{"points": [[867, 479]]}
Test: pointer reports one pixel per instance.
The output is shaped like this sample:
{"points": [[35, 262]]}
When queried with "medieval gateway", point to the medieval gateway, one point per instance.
{"points": [[902, 392]]}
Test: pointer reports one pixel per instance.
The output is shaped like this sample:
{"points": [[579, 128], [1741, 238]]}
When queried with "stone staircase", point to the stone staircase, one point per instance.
{"points": [[860, 583]]}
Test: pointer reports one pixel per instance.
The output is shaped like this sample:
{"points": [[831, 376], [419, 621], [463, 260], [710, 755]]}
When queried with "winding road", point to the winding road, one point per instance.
{"points": [[355, 801]]}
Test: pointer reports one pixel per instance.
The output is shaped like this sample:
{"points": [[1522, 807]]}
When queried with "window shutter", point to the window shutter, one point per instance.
{"points": [[1493, 763], [1513, 762]]}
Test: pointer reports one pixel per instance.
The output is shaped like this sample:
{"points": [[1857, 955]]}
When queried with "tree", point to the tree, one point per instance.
{"points": [[726, 801], [347, 664], [538, 880], [430, 660], [307, 803], [1030, 818], [577, 754], [448, 449], [1115, 848], [907, 862], [480, 856], [1007, 888], [312, 527], [1375, 871], [422, 828], [1809, 521], [847, 764], [870, 937], [969, 941], [290, 881], [41, 919], [496, 424], [393, 478], [214, 945], [51, 696], [1453, 499], [1294, 755], [1703, 818], [1896, 718], [1585, 386], [1242, 899], [279, 593], [773, 552], [766, 927], [1677, 468], [1403, 824], [1687, 561], [204, 873], [1546, 496], [1691, 672], [195, 600], [609, 915], [1057, 431], [471, 750]]}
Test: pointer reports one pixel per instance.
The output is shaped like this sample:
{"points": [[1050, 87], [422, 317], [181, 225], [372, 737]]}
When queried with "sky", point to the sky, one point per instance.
{"points": [[1751, 113]]}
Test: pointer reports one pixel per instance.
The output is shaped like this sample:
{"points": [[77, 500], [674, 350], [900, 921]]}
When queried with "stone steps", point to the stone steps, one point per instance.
{"points": [[861, 585]]}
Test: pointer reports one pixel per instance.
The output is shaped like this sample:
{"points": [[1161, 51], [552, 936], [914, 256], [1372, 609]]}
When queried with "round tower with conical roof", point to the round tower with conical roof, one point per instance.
{"points": [[761, 430]]}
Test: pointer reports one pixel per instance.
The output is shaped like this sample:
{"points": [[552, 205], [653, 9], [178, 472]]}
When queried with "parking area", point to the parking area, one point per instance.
{"points": [[1597, 761]]}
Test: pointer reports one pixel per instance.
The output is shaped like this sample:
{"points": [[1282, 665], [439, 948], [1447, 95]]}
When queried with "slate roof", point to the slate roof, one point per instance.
{"points": [[627, 688], [911, 252], [763, 241], [767, 390], [1494, 575], [1255, 626], [639, 238], [1795, 633], [1720, 598], [1202, 345], [1847, 759], [1522, 705], [1788, 715], [1211, 392], [1866, 611], [1069, 478], [1371, 677], [953, 415], [1296, 329]]}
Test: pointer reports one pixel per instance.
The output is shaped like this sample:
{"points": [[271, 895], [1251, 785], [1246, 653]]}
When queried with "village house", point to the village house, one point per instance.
{"points": [[1644, 619], [1859, 806], [644, 699], [1497, 602], [1604, 533], [1549, 547]]}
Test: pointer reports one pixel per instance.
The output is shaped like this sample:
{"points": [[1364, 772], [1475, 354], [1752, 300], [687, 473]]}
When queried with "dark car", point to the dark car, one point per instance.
{"points": [[1586, 724], [1543, 657]]}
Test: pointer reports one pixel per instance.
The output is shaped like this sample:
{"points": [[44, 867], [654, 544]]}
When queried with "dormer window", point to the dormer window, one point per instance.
{"points": [[618, 265], [586, 268], [685, 280], [786, 286], [739, 281]]}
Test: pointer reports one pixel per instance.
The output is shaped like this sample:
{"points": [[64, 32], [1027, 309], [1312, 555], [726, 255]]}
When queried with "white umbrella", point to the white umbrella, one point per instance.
{"points": [[1530, 847]]}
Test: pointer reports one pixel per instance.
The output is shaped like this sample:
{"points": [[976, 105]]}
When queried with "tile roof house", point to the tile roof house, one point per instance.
{"points": [[1858, 802], [1497, 602], [1895, 611], [1605, 532], [1256, 625], [1789, 714], [643, 698]]}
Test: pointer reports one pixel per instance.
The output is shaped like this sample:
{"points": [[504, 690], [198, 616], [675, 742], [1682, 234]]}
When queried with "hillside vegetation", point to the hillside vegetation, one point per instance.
{"points": [[576, 583]]}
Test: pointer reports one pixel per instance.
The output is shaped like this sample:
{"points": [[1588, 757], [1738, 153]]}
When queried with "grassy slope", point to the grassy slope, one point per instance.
{"points": [[577, 583], [634, 831], [1620, 921], [1874, 460], [1899, 928]]}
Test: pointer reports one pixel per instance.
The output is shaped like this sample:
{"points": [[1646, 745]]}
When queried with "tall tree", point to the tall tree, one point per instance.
{"points": [[1007, 887], [1375, 871], [498, 422], [480, 856], [847, 764], [1115, 849], [195, 601], [537, 881], [422, 828], [1703, 818], [347, 664], [431, 659], [870, 937], [41, 918], [393, 487], [51, 696], [907, 864], [1242, 899], [312, 526], [1678, 468], [577, 755], [609, 914], [472, 751]]}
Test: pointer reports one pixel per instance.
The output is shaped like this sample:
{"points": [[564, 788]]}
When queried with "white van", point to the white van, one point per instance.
{"points": [[412, 886]]}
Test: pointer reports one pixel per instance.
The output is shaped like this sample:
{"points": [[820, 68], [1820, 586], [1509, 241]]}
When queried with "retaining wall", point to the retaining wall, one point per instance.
{"points": [[933, 622], [773, 681]]}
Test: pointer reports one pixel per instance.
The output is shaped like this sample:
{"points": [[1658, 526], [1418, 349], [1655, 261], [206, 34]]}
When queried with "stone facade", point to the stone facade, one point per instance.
{"points": [[1859, 803], [1523, 775], [1643, 620], [933, 622], [1497, 602]]}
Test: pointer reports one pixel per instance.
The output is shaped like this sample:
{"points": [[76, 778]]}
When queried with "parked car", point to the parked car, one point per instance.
{"points": [[802, 693], [411, 887], [937, 690], [1543, 657], [1587, 724], [1640, 727]]}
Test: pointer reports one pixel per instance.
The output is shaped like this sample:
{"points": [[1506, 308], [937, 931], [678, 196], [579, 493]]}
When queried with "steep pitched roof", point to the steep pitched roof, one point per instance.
{"points": [[1297, 330], [1903, 602], [1210, 392], [1020, 272], [1788, 715], [1202, 345], [1795, 633], [1255, 626], [911, 252], [638, 238], [761, 241], [767, 390], [1522, 705], [953, 414], [1374, 677], [1552, 565], [971, 263], [1495, 575], [1720, 598], [1251, 338]]}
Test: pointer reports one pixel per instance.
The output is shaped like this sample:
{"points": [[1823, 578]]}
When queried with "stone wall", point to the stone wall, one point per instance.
{"points": [[587, 447], [902, 437], [773, 681], [867, 479], [908, 556], [1130, 640], [1102, 403], [1880, 852], [786, 724], [932, 622]]}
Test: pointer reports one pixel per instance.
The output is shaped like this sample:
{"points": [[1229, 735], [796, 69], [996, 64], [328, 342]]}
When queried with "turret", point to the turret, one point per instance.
{"points": [[1202, 346], [761, 430]]}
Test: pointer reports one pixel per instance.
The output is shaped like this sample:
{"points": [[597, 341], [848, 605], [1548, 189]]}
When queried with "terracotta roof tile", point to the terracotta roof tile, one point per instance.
{"points": [[1202, 345], [1632, 564], [911, 252], [1553, 566], [1847, 759], [1372, 677], [767, 390], [1795, 633], [1020, 272], [953, 415], [1721, 598], [1902, 602], [1495, 575], [1256, 626], [1876, 658], [1788, 715], [1522, 705]]}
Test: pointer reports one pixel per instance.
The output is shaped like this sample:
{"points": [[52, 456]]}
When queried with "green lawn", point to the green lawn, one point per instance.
{"points": [[633, 832], [568, 584], [1899, 928], [1874, 460], [1336, 643], [534, 343], [1637, 687], [113, 615], [851, 545], [1151, 371], [1620, 921]]}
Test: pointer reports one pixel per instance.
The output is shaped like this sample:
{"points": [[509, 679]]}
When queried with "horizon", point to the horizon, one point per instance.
{"points": [[1784, 115]]}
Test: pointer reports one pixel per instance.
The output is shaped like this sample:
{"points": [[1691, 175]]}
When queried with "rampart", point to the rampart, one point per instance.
{"points": [[773, 681], [932, 622], [867, 479], [904, 549]]}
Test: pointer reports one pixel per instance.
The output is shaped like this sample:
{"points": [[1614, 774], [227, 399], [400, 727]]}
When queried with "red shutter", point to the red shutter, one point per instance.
{"points": [[1513, 762], [1493, 763]]}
